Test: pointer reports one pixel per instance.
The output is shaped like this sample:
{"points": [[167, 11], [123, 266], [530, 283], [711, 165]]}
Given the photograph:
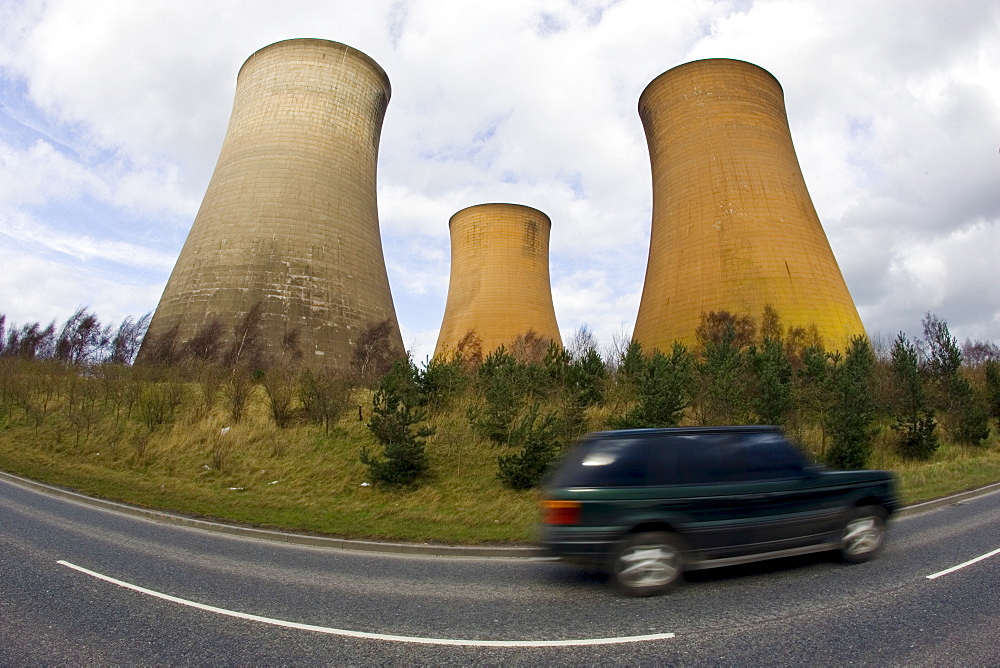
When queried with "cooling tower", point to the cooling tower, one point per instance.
{"points": [[733, 227], [499, 287], [289, 222]]}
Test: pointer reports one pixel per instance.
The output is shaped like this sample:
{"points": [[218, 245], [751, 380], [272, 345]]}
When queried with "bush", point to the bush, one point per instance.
{"points": [[443, 378], [723, 374], [585, 377], [375, 352], [393, 423], [773, 375], [504, 383], [973, 426], [965, 410], [664, 390], [914, 416], [853, 409], [324, 395], [539, 445], [280, 384], [992, 377]]}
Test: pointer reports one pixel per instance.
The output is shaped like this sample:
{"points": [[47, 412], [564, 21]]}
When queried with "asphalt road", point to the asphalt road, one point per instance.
{"points": [[368, 608]]}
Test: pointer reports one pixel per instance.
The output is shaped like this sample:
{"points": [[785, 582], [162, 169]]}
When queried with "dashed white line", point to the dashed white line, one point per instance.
{"points": [[371, 636], [963, 565]]}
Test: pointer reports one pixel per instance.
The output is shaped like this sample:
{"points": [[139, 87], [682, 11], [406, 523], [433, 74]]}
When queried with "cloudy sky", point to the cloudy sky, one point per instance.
{"points": [[112, 113]]}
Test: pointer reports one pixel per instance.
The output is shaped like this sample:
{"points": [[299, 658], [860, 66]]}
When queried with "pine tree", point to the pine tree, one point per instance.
{"points": [[853, 408], [394, 421]]}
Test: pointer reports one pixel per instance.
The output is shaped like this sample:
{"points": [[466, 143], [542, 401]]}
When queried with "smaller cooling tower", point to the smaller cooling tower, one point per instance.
{"points": [[734, 228], [499, 287]]}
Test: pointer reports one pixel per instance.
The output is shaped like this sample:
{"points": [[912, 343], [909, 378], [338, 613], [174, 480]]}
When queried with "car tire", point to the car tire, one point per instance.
{"points": [[647, 564], [863, 535]]}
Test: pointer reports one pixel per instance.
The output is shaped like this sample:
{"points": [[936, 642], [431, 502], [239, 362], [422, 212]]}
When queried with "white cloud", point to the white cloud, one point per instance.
{"points": [[113, 114], [36, 289], [32, 233]]}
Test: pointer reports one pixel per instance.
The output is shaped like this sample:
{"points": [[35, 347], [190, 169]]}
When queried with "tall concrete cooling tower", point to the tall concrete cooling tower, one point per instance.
{"points": [[499, 287], [733, 226], [289, 222]]}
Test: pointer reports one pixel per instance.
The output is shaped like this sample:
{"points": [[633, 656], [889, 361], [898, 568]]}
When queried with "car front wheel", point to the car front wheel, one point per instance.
{"points": [[648, 563], [863, 534]]}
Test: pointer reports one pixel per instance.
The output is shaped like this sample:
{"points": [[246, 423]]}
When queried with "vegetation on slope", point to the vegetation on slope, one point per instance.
{"points": [[272, 442]]}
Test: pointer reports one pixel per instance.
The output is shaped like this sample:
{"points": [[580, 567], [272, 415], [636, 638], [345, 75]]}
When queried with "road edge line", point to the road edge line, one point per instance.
{"points": [[415, 549]]}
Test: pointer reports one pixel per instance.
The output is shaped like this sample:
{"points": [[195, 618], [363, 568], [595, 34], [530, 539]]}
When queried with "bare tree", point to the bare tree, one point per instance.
{"points": [[373, 353], [976, 353], [31, 341], [281, 381], [246, 345], [582, 342], [469, 350], [770, 324], [614, 352], [126, 341], [530, 347], [722, 326], [81, 338], [324, 395], [161, 349], [206, 344]]}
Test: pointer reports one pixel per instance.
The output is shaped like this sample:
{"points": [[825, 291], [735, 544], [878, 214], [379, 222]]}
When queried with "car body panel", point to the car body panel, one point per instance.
{"points": [[798, 507]]}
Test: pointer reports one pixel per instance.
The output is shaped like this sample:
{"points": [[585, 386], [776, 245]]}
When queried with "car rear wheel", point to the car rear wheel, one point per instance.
{"points": [[648, 563], [863, 535]]}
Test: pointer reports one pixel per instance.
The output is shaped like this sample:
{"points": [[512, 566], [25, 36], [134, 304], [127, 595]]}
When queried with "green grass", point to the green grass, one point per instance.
{"points": [[303, 479]]}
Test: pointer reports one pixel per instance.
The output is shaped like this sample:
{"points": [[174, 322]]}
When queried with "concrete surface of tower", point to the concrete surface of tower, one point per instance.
{"points": [[289, 225], [499, 287], [733, 228]]}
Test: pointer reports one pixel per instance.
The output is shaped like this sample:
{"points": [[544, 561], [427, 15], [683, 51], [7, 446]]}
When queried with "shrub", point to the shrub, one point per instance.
{"points": [[723, 374], [585, 378], [914, 417], [539, 445], [443, 378], [992, 377], [664, 390], [502, 382], [773, 375], [324, 395], [279, 381], [393, 422], [853, 409], [375, 352], [965, 410]]}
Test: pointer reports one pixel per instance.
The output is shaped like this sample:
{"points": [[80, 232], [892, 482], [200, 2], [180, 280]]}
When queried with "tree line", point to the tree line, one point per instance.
{"points": [[526, 403]]}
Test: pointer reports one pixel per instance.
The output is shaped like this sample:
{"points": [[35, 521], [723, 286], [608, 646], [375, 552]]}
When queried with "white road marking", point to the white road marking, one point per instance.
{"points": [[967, 563], [372, 636]]}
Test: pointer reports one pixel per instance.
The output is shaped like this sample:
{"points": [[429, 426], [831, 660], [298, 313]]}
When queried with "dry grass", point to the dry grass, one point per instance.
{"points": [[296, 478]]}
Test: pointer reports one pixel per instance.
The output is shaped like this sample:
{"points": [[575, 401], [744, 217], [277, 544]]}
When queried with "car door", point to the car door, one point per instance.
{"points": [[785, 509], [700, 488]]}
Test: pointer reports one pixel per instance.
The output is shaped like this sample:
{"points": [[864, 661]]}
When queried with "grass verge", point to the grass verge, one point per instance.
{"points": [[304, 479]]}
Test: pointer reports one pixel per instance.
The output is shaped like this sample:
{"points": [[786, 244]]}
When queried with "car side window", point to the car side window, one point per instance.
{"points": [[769, 456], [705, 458]]}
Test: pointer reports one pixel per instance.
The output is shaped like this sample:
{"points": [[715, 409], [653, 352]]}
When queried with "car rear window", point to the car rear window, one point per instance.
{"points": [[604, 463], [770, 456]]}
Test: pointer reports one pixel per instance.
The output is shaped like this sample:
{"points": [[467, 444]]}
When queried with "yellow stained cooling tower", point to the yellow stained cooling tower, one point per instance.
{"points": [[733, 226], [499, 287], [289, 223]]}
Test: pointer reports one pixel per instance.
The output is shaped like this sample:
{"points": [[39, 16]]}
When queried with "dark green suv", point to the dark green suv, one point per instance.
{"points": [[648, 504]]}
